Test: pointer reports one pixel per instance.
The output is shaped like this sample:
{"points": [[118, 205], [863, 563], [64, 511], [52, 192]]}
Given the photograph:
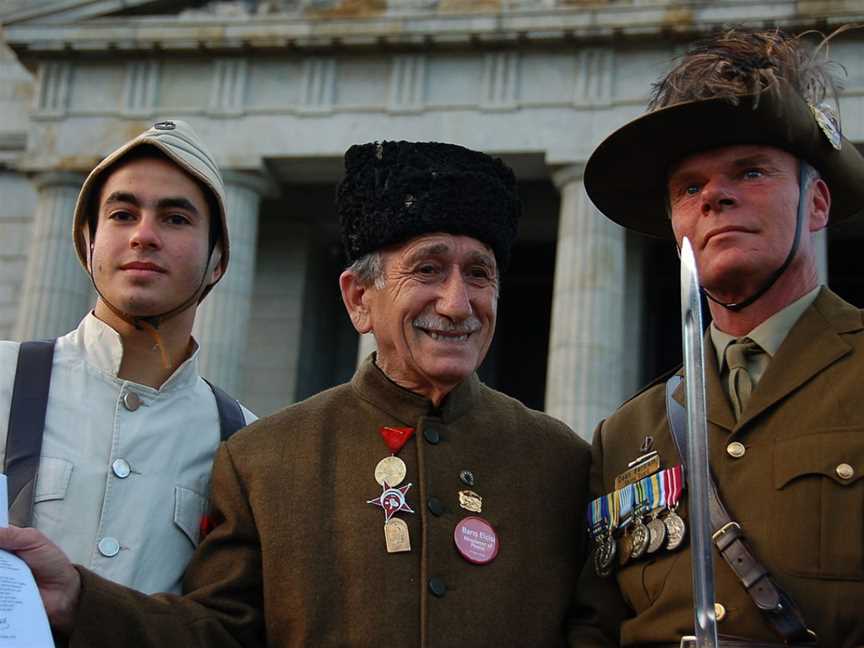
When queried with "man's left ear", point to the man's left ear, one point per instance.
{"points": [[355, 298], [215, 265], [820, 205]]}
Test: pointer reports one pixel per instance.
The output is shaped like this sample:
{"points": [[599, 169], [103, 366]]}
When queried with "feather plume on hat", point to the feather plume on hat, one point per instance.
{"points": [[741, 62]]}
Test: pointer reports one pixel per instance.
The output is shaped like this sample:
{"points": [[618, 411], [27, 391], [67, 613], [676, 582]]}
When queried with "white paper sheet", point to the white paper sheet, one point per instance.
{"points": [[23, 622]]}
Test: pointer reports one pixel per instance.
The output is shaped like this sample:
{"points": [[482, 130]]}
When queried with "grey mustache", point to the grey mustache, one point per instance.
{"points": [[470, 325]]}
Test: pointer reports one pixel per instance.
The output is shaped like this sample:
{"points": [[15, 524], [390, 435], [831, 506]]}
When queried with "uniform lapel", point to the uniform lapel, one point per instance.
{"points": [[813, 344], [719, 411]]}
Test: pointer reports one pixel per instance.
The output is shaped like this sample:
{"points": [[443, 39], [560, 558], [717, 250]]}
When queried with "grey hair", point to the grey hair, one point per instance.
{"points": [[369, 269]]}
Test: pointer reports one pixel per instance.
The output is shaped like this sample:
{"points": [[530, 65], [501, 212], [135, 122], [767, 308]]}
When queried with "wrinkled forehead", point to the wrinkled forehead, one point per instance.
{"points": [[453, 247]]}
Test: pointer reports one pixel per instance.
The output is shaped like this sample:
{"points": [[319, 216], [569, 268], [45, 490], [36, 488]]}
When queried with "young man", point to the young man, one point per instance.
{"points": [[130, 428], [413, 506], [740, 155]]}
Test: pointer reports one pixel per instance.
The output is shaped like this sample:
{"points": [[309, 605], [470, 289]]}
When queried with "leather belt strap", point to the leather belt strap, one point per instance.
{"points": [[777, 607]]}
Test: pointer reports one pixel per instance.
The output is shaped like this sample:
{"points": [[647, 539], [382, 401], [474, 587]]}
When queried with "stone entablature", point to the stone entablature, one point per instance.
{"points": [[300, 103], [419, 24]]}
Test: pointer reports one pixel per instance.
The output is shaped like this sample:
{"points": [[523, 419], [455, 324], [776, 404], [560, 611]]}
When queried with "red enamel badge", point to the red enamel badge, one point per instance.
{"points": [[395, 437]]}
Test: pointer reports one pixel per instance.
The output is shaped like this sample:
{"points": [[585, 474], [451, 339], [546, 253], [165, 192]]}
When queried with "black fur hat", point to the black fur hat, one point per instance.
{"points": [[394, 191]]}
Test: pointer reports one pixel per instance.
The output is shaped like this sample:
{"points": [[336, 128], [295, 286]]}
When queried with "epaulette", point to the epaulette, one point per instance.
{"points": [[662, 378]]}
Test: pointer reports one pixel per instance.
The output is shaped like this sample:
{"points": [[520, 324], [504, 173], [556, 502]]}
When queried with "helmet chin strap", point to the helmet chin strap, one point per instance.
{"points": [[804, 176], [151, 323]]}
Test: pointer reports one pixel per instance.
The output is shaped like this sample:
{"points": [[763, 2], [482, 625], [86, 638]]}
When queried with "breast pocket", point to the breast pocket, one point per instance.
{"points": [[52, 482], [818, 522], [189, 509]]}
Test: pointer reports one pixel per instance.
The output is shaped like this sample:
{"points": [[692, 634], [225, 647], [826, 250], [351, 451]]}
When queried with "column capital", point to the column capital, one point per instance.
{"points": [[564, 175], [58, 179], [257, 181]]}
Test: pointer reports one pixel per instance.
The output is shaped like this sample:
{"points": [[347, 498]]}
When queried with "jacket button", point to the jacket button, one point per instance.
{"points": [[437, 586], [431, 435], [467, 477], [435, 506], [736, 449], [121, 468], [131, 401], [719, 611], [844, 471], [109, 547]]}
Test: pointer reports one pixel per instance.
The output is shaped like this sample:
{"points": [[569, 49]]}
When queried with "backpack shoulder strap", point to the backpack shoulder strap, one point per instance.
{"points": [[26, 426], [231, 416]]}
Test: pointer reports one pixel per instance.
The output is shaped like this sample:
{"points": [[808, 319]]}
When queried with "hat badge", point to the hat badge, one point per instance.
{"points": [[165, 125], [827, 120]]}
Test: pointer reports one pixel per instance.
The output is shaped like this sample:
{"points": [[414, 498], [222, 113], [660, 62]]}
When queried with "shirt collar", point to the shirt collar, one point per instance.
{"points": [[769, 335], [102, 348], [372, 385]]}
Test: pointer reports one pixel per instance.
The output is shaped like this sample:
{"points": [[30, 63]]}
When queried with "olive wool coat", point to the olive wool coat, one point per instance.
{"points": [[801, 512], [297, 556]]}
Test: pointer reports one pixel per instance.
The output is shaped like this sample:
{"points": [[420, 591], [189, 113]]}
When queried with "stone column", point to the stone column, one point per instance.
{"points": [[222, 322], [55, 293], [585, 378]]}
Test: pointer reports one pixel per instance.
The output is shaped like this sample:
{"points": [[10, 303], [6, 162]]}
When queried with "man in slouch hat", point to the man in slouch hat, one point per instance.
{"points": [[742, 152], [413, 506], [109, 432]]}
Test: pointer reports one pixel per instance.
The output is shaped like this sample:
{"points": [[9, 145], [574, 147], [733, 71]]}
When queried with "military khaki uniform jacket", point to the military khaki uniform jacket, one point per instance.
{"points": [[297, 556], [800, 517]]}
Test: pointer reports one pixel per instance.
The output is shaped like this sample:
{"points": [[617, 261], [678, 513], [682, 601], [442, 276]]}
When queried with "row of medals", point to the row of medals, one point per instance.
{"points": [[389, 473], [646, 531]]}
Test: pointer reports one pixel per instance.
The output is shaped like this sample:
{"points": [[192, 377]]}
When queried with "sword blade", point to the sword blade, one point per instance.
{"points": [[697, 452]]}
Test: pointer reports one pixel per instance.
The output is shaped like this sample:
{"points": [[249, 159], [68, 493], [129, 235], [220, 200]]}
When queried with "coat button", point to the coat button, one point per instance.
{"points": [[467, 477], [431, 435], [736, 449], [719, 611], [109, 547], [437, 586], [435, 506], [121, 468], [844, 471], [131, 401]]}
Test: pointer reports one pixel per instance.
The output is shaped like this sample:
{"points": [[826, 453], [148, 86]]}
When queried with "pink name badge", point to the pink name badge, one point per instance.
{"points": [[476, 540]]}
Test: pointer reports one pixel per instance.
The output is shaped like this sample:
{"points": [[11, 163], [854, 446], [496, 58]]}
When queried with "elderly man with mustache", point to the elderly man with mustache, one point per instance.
{"points": [[413, 506]]}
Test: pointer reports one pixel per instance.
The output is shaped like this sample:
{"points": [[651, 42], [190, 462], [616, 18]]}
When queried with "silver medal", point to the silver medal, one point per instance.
{"points": [[675, 530], [640, 537]]}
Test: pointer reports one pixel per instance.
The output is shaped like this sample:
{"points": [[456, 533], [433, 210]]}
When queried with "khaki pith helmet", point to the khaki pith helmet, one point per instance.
{"points": [[626, 175], [181, 145]]}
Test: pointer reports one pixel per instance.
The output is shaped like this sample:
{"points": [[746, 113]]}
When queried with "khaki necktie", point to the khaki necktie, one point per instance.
{"points": [[740, 381]]}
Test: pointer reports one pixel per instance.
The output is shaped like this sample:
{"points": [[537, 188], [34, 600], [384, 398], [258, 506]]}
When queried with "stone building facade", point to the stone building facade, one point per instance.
{"points": [[280, 88]]}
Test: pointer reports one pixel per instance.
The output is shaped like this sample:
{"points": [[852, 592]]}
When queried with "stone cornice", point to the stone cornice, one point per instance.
{"points": [[65, 10], [660, 19]]}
